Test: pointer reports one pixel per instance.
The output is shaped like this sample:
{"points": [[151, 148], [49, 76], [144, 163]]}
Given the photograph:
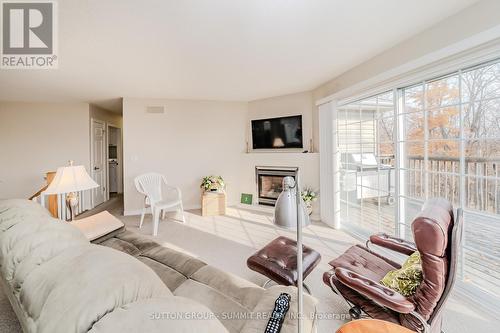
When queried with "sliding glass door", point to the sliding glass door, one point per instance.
{"points": [[436, 138], [366, 146]]}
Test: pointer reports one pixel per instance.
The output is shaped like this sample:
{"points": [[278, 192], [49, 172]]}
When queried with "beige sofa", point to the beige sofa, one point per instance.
{"points": [[57, 281]]}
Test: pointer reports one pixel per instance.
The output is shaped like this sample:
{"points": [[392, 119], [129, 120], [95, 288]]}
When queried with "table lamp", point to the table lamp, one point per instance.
{"points": [[71, 179], [290, 213]]}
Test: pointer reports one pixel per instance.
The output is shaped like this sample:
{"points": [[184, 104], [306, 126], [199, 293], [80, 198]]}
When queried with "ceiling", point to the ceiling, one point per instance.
{"points": [[218, 50]]}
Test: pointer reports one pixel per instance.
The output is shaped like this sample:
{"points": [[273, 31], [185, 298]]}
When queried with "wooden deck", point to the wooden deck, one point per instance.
{"points": [[480, 260]]}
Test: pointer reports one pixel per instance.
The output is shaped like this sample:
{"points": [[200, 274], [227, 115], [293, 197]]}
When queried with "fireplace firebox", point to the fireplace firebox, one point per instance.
{"points": [[269, 182]]}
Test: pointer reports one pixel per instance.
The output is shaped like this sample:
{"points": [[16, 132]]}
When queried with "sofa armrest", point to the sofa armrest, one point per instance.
{"points": [[374, 291], [393, 243]]}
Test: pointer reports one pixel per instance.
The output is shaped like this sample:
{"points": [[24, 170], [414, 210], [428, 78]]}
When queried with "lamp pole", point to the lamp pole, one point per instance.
{"points": [[283, 217], [300, 283]]}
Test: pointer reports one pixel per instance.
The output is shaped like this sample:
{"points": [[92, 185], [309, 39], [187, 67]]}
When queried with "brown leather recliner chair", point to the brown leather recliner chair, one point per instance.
{"points": [[356, 274]]}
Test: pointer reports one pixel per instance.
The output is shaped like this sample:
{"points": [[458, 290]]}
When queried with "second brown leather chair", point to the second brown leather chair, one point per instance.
{"points": [[355, 275]]}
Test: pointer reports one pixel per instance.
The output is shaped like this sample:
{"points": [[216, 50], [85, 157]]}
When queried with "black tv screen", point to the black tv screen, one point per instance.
{"points": [[276, 133]]}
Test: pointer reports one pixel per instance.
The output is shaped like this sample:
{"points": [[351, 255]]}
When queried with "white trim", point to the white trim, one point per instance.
{"points": [[119, 158], [106, 153], [328, 166], [479, 48], [92, 120], [400, 175], [255, 208]]}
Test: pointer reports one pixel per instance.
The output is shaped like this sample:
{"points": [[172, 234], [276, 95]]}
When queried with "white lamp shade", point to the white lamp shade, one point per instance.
{"points": [[285, 210], [71, 179]]}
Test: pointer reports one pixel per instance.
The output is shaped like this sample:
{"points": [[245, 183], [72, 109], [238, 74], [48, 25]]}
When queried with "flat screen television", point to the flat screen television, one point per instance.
{"points": [[277, 133]]}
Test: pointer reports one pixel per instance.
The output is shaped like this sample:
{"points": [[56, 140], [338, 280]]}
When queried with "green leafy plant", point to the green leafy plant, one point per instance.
{"points": [[309, 195], [212, 183]]}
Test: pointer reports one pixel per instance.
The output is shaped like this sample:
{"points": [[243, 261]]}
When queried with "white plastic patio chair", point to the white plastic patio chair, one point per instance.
{"points": [[150, 185]]}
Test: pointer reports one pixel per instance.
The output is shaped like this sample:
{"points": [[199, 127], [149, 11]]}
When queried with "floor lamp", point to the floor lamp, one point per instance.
{"points": [[290, 213]]}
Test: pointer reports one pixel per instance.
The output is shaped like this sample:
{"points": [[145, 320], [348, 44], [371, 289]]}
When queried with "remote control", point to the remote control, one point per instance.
{"points": [[281, 307]]}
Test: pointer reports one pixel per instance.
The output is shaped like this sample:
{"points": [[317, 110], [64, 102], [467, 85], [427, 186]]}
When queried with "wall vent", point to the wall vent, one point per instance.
{"points": [[155, 109]]}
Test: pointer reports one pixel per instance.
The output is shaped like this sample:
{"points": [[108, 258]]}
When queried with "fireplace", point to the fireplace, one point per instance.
{"points": [[269, 182]]}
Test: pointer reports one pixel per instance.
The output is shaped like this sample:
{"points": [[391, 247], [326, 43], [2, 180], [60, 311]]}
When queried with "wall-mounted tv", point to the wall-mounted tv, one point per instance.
{"points": [[277, 133]]}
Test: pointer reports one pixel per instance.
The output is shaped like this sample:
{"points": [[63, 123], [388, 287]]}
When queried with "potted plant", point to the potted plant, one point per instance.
{"points": [[309, 195], [212, 184]]}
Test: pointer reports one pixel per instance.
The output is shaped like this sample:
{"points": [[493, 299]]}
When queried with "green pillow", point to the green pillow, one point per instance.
{"points": [[406, 279]]}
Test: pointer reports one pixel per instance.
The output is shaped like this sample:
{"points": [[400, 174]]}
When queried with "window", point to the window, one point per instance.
{"points": [[441, 138]]}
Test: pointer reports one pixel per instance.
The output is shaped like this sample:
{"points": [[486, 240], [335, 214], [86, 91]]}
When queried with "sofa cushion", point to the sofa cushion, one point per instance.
{"points": [[262, 311], [173, 267], [142, 243], [172, 278], [239, 290], [185, 264], [19, 218], [10, 208], [75, 289], [233, 315], [38, 245], [160, 315], [121, 245]]}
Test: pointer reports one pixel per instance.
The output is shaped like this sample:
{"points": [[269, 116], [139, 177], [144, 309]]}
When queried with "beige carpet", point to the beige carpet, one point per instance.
{"points": [[8, 319]]}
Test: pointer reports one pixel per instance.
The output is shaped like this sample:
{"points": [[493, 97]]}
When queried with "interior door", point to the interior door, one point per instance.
{"points": [[98, 161]]}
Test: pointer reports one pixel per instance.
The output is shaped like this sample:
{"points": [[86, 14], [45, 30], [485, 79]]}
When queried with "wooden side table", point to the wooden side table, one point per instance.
{"points": [[372, 326], [213, 203]]}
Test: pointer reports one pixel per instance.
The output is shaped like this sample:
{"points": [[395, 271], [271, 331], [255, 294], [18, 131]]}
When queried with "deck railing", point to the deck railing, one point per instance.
{"points": [[482, 180]]}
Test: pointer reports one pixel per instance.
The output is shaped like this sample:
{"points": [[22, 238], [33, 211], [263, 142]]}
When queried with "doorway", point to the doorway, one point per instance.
{"points": [[114, 161], [98, 160], [106, 160]]}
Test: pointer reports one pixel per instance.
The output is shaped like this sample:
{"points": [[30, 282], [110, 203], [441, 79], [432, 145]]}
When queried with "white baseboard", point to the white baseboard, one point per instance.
{"points": [[256, 208]]}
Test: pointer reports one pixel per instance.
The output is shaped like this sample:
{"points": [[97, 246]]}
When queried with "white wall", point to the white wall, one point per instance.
{"points": [[113, 118], [36, 138], [197, 138], [287, 105], [190, 140]]}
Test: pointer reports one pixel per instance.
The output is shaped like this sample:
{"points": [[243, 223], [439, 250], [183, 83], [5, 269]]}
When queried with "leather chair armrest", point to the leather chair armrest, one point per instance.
{"points": [[393, 243], [374, 291]]}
